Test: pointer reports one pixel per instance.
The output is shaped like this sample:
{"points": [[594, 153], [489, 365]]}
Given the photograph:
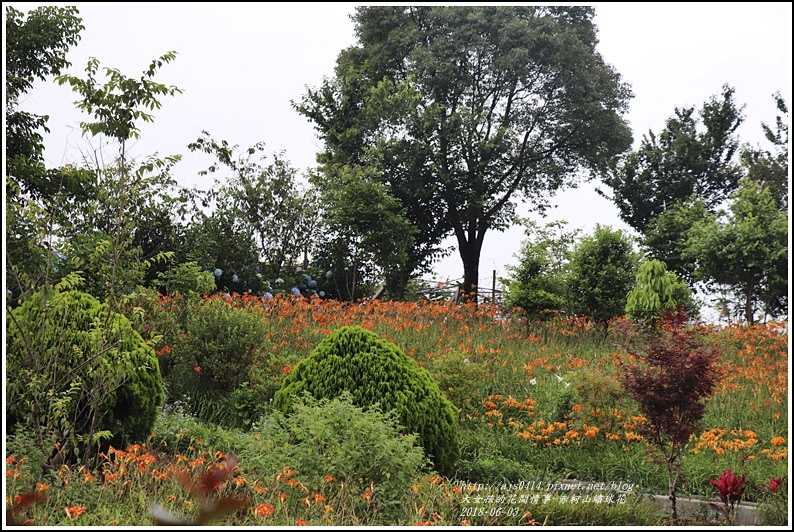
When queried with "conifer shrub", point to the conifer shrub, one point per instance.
{"points": [[375, 371], [78, 374]]}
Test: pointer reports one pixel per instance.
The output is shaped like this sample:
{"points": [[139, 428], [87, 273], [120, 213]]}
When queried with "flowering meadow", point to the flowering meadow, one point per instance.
{"points": [[540, 404]]}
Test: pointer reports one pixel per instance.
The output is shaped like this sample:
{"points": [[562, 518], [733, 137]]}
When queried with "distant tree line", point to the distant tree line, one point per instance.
{"points": [[439, 121]]}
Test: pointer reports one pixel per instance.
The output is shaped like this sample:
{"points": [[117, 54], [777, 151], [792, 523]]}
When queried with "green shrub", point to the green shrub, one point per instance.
{"points": [[376, 371], [460, 379], [219, 347], [361, 450], [79, 372], [187, 279], [160, 320], [599, 393]]}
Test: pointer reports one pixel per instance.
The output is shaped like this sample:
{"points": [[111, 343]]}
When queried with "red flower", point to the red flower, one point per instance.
{"points": [[730, 486], [774, 484]]}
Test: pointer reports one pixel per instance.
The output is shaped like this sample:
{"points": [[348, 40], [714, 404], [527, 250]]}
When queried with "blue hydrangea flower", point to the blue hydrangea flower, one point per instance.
{"points": [[227, 295], [235, 279], [329, 274], [312, 284], [307, 276], [218, 272], [322, 294], [295, 291], [267, 295]]}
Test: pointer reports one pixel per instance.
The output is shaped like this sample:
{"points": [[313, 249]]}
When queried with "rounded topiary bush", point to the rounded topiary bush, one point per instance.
{"points": [[76, 371], [375, 371]]}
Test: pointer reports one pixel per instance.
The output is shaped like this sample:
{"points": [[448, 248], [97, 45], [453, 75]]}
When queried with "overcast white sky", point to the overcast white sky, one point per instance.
{"points": [[240, 64]]}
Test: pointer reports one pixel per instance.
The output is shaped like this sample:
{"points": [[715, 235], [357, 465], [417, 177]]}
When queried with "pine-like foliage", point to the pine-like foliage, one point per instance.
{"points": [[375, 371]]}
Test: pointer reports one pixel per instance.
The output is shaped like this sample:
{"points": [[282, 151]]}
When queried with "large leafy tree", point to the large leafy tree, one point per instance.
{"points": [[36, 45], [746, 250], [265, 201], [690, 157], [469, 109]]}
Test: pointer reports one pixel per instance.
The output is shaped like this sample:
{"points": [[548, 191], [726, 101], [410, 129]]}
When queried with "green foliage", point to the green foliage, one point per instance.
{"points": [[460, 379], [684, 161], [35, 48], [771, 169], [367, 224], [77, 370], [602, 273], [746, 251], [665, 237], [117, 104], [598, 391], [218, 349], [362, 449], [471, 107], [265, 202], [249, 404], [375, 371], [655, 289], [216, 242], [186, 278], [538, 282]]}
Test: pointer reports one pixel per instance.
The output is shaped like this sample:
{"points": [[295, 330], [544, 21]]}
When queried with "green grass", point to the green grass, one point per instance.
{"points": [[507, 422]]}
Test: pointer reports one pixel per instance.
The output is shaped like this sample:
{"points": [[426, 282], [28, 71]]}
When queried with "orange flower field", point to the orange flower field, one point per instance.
{"points": [[538, 403]]}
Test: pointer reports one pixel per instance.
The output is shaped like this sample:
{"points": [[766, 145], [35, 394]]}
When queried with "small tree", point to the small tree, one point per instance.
{"points": [[746, 250], [602, 274], [672, 378], [655, 289], [537, 285]]}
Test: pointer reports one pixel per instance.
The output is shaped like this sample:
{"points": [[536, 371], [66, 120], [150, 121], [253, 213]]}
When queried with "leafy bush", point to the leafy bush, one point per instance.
{"points": [[599, 393], [602, 271], [459, 379], [334, 445], [80, 372], [219, 346], [186, 278], [656, 289], [375, 371], [160, 320]]}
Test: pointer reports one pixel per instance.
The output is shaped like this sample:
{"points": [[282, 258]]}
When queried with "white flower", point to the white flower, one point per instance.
{"points": [[559, 379], [466, 361], [567, 384], [533, 382]]}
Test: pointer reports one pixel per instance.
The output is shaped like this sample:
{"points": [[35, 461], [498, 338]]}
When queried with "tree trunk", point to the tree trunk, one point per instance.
{"points": [[748, 305], [470, 250]]}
